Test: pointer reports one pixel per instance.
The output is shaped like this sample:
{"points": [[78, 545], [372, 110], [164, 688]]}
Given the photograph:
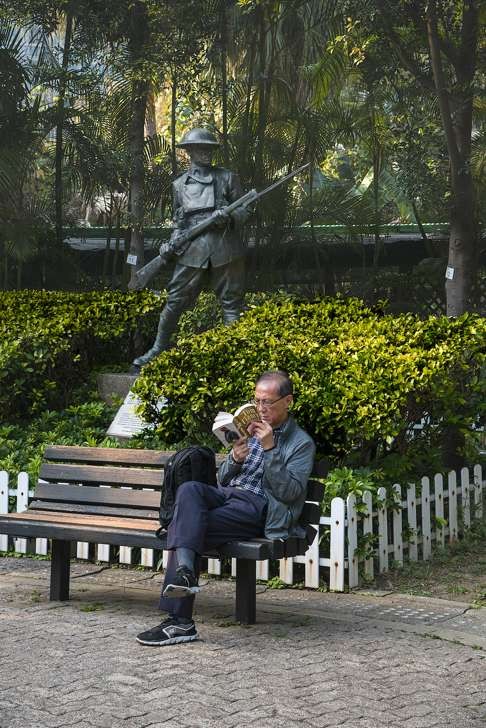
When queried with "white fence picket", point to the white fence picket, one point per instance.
{"points": [[286, 569], [214, 567], [20, 544], [41, 546], [262, 570], [125, 556], [311, 561], [82, 550], [382, 531], [103, 549], [426, 526], [352, 521], [412, 522], [452, 493], [103, 552], [147, 557], [3, 506], [343, 526], [398, 525], [466, 503], [336, 577], [439, 508], [368, 532], [478, 492]]}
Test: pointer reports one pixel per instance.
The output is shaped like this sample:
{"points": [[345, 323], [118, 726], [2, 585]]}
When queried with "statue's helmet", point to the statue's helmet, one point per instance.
{"points": [[199, 137]]}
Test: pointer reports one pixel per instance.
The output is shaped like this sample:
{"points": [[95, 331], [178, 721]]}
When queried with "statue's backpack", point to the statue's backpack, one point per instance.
{"points": [[191, 463]]}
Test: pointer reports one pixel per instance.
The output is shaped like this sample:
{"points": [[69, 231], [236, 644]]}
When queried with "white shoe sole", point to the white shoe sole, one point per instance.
{"points": [[176, 592], [170, 641]]}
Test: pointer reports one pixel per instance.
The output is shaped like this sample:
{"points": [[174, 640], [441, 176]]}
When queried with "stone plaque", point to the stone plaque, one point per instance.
{"points": [[127, 423]]}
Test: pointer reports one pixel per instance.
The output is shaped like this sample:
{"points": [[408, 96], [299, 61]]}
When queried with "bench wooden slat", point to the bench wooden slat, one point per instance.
{"points": [[135, 477], [90, 509], [108, 455], [79, 519], [97, 496], [17, 524]]}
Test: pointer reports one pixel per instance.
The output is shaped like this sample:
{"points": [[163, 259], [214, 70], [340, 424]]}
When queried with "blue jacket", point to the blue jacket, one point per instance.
{"points": [[286, 470]]}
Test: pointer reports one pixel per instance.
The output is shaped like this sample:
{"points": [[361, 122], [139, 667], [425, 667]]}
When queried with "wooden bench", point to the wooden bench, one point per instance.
{"points": [[69, 505]]}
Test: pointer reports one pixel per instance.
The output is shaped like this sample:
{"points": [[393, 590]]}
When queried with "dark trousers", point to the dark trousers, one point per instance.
{"points": [[206, 517]]}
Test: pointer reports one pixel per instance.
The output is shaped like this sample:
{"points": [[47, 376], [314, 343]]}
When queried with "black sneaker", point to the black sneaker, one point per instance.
{"points": [[169, 632], [183, 584]]}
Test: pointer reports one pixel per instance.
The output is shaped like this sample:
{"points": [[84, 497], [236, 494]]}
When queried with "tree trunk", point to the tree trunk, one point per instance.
{"points": [[259, 173], [150, 117], [462, 244], [106, 256], [59, 153], [173, 122], [249, 91], [140, 90], [224, 83], [137, 172], [5, 268], [115, 253], [456, 114]]}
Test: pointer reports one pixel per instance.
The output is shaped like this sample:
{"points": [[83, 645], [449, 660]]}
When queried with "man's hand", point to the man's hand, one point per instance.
{"points": [[263, 432], [220, 218], [240, 450]]}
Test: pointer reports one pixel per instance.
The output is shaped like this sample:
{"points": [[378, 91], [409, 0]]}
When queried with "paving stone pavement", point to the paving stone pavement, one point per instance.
{"points": [[317, 660]]}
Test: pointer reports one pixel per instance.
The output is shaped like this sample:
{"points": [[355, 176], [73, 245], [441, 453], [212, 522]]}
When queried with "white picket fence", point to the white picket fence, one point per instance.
{"points": [[405, 529]]}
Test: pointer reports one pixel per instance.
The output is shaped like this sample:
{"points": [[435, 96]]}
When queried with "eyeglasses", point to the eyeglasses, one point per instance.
{"points": [[266, 402]]}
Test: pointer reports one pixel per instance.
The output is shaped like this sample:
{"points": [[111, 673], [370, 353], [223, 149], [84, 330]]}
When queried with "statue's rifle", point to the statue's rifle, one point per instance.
{"points": [[180, 244]]}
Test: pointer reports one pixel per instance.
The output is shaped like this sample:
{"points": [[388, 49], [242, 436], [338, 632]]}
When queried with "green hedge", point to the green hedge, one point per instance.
{"points": [[362, 378], [50, 341]]}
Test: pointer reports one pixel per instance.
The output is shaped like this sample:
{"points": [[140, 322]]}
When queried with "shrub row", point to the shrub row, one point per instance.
{"points": [[49, 342], [362, 378]]}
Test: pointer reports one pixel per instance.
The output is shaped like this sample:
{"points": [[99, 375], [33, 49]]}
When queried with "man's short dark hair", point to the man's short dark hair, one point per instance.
{"points": [[282, 379]]}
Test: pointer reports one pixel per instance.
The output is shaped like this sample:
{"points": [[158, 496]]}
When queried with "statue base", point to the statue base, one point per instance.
{"points": [[113, 387], [126, 423]]}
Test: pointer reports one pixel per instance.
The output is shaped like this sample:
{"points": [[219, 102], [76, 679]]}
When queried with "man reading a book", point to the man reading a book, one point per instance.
{"points": [[261, 492]]}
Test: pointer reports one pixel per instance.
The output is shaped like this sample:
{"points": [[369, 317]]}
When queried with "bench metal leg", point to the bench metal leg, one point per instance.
{"points": [[60, 567], [245, 611]]}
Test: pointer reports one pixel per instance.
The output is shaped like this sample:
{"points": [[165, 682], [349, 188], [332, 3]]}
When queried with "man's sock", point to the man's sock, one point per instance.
{"points": [[185, 557]]}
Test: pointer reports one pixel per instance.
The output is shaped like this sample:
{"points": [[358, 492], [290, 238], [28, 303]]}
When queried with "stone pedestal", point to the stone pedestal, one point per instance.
{"points": [[113, 387]]}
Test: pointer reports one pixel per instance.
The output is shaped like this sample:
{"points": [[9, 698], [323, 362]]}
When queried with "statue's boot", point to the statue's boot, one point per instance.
{"points": [[167, 325]]}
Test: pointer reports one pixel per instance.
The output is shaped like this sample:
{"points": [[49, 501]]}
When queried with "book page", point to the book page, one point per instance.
{"points": [[225, 431]]}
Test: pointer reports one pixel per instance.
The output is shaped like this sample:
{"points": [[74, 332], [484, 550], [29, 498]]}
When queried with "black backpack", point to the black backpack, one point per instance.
{"points": [[191, 463]]}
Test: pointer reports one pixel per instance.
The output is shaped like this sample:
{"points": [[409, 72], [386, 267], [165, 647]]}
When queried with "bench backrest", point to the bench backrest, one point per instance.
{"points": [[74, 479]]}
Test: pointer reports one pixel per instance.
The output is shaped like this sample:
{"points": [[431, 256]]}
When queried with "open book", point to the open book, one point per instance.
{"points": [[228, 427]]}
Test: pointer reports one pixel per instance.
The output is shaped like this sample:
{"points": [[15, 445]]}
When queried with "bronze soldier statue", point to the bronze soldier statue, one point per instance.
{"points": [[216, 257]]}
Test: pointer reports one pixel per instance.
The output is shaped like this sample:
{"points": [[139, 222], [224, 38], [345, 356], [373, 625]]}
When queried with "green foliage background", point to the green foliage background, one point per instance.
{"points": [[362, 378], [50, 341]]}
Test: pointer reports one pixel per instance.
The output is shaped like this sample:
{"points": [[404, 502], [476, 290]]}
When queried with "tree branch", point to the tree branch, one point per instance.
{"points": [[440, 84], [406, 59]]}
